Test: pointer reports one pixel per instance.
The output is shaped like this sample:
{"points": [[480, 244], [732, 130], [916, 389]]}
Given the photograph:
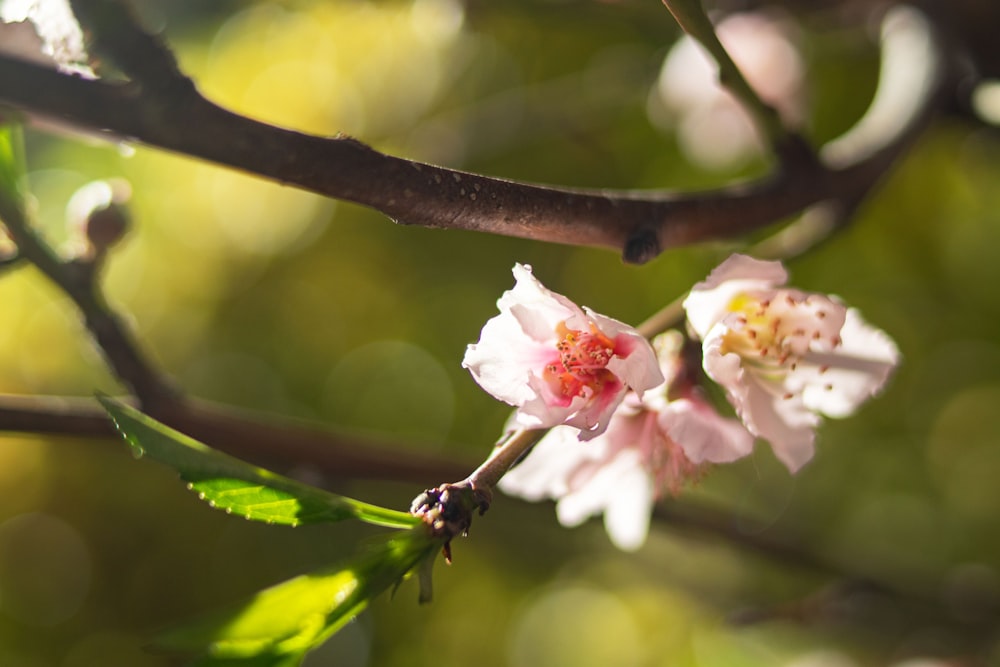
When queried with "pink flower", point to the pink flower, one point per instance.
{"points": [[785, 357], [651, 448], [558, 363]]}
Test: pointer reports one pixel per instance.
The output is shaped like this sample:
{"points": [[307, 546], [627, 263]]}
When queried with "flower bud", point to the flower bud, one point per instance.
{"points": [[105, 226], [98, 214]]}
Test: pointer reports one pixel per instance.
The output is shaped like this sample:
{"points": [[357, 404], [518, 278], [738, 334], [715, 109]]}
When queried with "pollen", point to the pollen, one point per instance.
{"points": [[766, 332], [581, 365]]}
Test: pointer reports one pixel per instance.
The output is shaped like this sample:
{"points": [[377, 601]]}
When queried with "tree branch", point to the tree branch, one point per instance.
{"points": [[169, 113]]}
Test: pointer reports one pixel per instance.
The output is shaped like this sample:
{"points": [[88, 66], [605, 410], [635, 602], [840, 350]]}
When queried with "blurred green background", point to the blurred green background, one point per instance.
{"points": [[272, 299]]}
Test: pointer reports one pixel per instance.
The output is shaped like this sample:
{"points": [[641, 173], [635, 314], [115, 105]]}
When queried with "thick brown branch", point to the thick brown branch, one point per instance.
{"points": [[638, 224]]}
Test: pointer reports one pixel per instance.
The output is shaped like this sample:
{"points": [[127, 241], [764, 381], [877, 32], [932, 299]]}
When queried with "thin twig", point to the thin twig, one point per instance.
{"points": [[507, 452], [812, 227], [790, 148], [120, 349]]}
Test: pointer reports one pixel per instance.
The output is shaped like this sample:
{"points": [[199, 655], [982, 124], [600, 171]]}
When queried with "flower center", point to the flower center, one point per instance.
{"points": [[775, 333], [581, 365]]}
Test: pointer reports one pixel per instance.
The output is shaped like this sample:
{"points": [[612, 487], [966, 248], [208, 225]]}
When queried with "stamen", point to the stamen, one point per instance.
{"points": [[583, 358]]}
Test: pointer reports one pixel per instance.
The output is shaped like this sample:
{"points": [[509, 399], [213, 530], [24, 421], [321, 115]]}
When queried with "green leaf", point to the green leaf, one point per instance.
{"points": [[12, 168], [279, 625], [237, 487]]}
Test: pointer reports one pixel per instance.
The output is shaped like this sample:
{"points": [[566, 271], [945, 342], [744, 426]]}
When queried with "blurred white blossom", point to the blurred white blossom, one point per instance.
{"points": [[54, 37], [784, 356], [712, 128]]}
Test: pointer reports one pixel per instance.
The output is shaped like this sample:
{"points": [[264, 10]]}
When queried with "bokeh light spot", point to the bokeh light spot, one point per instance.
{"points": [[45, 569], [822, 659], [902, 533], [578, 626], [261, 218], [962, 451], [436, 20], [23, 478], [392, 387], [350, 647], [108, 648], [986, 101]]}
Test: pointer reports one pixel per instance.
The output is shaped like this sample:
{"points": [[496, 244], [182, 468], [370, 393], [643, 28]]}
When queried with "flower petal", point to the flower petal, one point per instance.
{"points": [[636, 364], [708, 301], [626, 518], [542, 411], [766, 411], [853, 373], [504, 359], [594, 418], [785, 423], [703, 434], [603, 483], [537, 309]]}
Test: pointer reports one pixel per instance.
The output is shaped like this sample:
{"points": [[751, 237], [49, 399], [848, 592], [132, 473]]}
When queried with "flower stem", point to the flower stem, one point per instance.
{"points": [[665, 318], [447, 509], [797, 238], [506, 453]]}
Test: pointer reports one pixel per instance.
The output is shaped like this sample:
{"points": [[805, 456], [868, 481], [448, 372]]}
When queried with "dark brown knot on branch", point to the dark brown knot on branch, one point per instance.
{"points": [[447, 511]]}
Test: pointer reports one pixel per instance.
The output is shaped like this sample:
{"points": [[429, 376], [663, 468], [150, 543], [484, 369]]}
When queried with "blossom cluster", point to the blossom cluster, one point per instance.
{"points": [[629, 422]]}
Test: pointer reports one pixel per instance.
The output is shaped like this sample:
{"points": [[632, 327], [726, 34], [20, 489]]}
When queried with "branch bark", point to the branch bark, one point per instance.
{"points": [[162, 108]]}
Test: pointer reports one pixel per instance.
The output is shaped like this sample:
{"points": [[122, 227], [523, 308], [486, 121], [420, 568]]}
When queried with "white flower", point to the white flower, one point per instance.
{"points": [[784, 356], [558, 363], [651, 448]]}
